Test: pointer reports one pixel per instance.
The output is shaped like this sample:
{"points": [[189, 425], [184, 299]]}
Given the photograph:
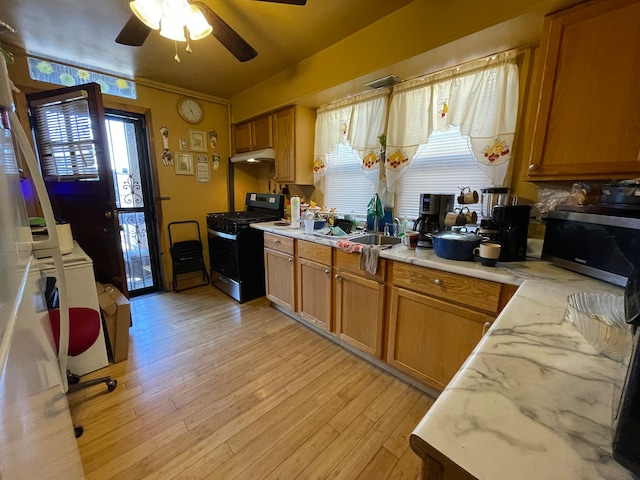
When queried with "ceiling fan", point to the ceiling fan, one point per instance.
{"points": [[135, 32]]}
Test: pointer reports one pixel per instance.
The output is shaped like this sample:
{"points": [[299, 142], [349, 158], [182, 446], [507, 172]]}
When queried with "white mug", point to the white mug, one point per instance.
{"points": [[488, 250]]}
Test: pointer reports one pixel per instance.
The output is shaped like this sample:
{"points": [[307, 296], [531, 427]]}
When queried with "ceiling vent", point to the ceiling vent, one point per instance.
{"points": [[383, 82]]}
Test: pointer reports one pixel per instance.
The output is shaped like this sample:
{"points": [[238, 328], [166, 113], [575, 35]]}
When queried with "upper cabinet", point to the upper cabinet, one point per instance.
{"points": [[294, 129], [586, 123], [254, 134]]}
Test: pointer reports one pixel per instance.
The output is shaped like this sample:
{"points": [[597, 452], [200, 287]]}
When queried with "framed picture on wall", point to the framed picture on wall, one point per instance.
{"points": [[183, 163], [197, 140]]}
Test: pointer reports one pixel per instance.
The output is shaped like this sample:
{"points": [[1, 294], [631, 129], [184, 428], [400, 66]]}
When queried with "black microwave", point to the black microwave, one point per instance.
{"points": [[604, 246]]}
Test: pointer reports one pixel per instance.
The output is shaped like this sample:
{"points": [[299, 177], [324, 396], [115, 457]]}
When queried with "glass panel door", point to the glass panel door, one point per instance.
{"points": [[130, 167]]}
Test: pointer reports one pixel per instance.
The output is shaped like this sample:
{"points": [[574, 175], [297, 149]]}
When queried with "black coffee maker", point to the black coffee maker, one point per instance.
{"points": [[433, 208], [513, 225]]}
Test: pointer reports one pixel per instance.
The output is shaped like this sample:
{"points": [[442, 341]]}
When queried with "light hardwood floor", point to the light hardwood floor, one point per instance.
{"points": [[213, 389]]}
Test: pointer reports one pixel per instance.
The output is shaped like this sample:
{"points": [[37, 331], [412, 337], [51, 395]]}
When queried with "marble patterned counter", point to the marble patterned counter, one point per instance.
{"points": [[534, 399]]}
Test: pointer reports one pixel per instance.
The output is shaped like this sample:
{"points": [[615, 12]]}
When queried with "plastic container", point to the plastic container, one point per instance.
{"points": [[600, 318]]}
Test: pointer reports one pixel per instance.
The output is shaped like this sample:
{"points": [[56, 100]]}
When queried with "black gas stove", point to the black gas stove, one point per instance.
{"points": [[235, 249], [233, 222]]}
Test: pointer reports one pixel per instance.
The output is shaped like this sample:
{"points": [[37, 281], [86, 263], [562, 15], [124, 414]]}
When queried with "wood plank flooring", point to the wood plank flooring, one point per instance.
{"points": [[217, 390]]}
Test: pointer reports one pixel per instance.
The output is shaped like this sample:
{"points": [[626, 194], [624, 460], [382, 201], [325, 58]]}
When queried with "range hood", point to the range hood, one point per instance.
{"points": [[257, 156]]}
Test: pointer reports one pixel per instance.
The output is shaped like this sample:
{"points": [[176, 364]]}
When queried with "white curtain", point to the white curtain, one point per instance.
{"points": [[480, 97], [358, 121]]}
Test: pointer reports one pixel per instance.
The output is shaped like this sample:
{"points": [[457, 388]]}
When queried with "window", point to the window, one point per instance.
{"points": [[444, 165], [58, 74], [66, 142], [347, 188]]}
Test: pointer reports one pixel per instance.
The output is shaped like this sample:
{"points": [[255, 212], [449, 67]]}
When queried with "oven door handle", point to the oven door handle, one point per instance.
{"points": [[215, 233]]}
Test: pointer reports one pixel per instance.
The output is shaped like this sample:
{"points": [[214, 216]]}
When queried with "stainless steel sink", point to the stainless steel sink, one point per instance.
{"points": [[376, 239]]}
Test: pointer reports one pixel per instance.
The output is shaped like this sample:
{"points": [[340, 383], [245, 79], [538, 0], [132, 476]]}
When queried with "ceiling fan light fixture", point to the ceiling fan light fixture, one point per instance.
{"points": [[148, 12], [196, 24], [172, 30]]}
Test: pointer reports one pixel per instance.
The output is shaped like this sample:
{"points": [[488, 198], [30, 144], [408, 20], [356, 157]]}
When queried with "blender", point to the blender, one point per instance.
{"points": [[489, 198]]}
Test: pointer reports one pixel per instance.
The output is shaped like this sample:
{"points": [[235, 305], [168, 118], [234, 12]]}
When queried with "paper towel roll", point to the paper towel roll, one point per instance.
{"points": [[295, 212]]}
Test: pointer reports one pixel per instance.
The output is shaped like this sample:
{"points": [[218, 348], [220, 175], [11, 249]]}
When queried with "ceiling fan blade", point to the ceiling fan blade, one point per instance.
{"points": [[227, 36], [288, 2], [134, 32]]}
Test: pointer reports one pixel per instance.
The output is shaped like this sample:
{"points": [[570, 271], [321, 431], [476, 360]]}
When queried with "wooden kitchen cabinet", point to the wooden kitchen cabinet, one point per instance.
{"points": [[359, 303], [254, 134], [279, 268], [294, 130], [586, 123], [315, 299], [436, 319], [430, 339]]}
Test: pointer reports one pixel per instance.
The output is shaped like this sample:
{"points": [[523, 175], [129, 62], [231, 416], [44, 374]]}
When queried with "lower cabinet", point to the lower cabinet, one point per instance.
{"points": [[314, 293], [430, 339], [280, 272], [422, 321], [359, 309]]}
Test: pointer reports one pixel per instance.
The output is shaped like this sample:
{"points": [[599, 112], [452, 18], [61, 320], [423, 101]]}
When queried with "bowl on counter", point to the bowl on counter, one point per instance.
{"points": [[600, 318]]}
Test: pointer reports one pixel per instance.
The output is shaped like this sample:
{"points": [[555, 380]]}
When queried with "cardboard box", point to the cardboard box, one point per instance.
{"points": [[116, 313]]}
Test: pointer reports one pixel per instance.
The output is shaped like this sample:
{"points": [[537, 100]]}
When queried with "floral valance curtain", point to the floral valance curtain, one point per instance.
{"points": [[481, 97], [358, 121]]}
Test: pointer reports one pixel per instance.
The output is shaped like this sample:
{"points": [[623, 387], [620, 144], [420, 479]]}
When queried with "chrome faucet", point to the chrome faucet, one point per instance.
{"points": [[396, 226]]}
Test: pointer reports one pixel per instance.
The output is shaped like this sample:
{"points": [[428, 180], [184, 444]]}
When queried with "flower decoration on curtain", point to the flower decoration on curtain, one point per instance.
{"points": [[494, 151], [480, 97], [397, 160], [356, 121]]}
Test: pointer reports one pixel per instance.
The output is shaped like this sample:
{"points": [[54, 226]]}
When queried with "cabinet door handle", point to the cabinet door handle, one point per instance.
{"points": [[486, 327], [290, 259], [533, 167], [326, 270], [437, 281], [276, 241], [337, 277]]}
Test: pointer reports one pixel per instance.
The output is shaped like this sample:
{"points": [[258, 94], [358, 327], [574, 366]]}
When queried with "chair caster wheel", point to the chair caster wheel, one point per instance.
{"points": [[78, 430], [111, 385]]}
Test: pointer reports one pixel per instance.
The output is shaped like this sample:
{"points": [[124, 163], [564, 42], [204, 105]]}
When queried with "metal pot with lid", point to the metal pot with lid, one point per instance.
{"points": [[454, 245]]}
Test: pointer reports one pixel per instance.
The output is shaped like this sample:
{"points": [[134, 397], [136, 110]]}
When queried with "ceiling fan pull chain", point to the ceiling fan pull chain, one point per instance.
{"points": [[176, 58], [188, 49]]}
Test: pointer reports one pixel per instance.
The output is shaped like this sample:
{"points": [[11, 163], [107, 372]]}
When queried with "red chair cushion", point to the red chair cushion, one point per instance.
{"points": [[84, 328]]}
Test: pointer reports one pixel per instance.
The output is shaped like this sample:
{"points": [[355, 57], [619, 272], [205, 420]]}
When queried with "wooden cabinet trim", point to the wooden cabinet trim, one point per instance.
{"points": [[279, 243], [474, 292], [313, 251], [351, 263]]}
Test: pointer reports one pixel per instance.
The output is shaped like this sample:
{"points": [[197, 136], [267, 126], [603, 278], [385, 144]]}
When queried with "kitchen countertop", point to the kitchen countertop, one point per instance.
{"points": [[534, 399]]}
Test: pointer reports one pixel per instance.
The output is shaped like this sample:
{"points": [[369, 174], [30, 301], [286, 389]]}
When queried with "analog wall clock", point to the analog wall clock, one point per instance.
{"points": [[190, 110]]}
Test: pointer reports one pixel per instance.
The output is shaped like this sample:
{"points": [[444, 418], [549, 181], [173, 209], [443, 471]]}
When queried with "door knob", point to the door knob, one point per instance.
{"points": [[108, 214]]}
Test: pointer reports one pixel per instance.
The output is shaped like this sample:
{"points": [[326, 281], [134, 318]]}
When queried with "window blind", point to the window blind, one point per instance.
{"points": [[66, 145], [444, 165], [347, 189]]}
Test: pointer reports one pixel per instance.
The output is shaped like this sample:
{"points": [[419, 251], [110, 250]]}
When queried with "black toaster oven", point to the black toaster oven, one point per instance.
{"points": [[602, 245]]}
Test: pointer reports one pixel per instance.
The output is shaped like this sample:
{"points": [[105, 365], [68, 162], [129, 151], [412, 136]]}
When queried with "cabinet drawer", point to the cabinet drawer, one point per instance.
{"points": [[279, 243], [351, 263], [315, 252], [474, 292]]}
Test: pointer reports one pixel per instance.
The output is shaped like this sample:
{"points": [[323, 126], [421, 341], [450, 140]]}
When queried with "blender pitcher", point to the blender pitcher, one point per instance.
{"points": [[492, 196]]}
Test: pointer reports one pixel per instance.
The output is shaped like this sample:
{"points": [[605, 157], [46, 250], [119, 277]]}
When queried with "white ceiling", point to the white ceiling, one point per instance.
{"points": [[82, 33]]}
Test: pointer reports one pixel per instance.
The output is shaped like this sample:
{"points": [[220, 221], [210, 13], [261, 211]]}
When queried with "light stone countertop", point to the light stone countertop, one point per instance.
{"points": [[534, 399]]}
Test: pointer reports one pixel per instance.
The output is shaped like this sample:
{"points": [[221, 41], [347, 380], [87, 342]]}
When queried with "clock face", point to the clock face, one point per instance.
{"points": [[190, 110]]}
